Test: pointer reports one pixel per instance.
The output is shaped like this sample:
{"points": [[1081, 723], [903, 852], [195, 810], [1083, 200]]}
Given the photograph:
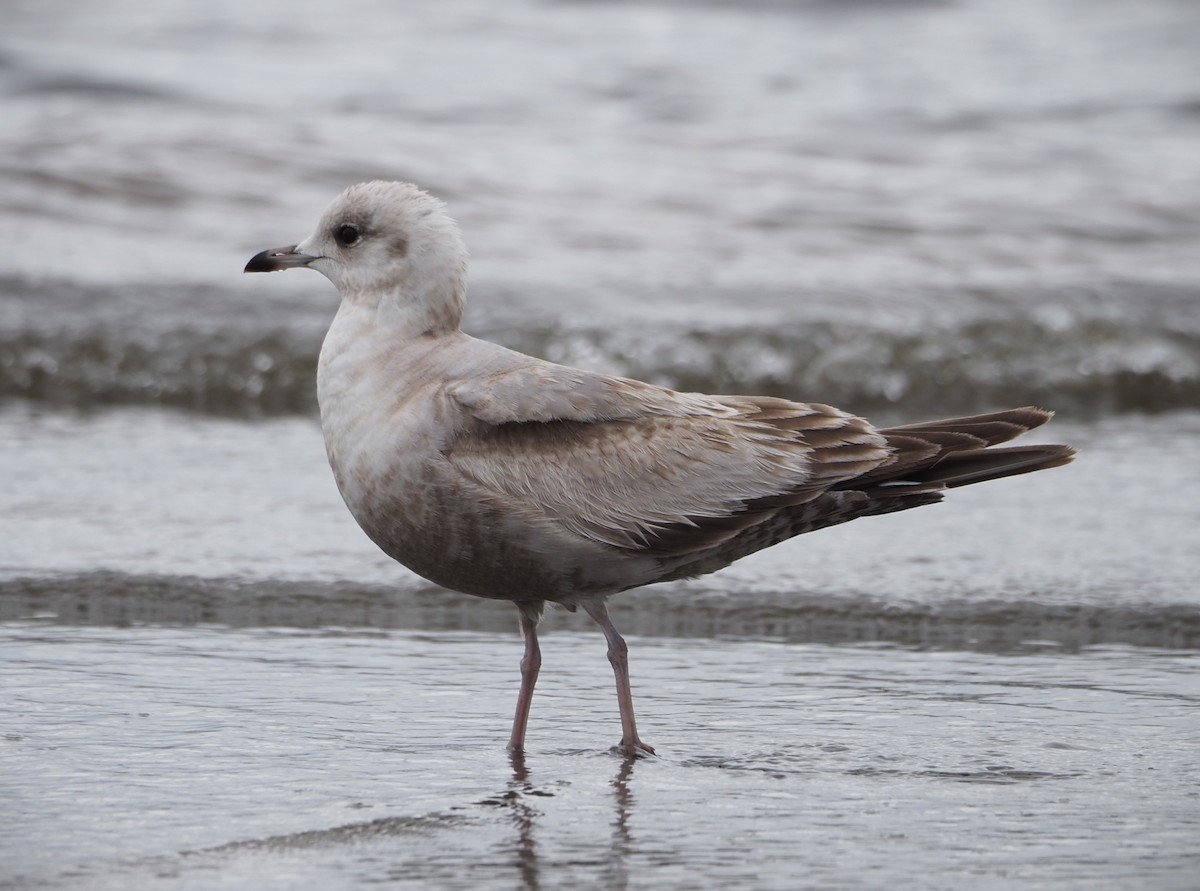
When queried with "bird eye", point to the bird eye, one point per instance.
{"points": [[346, 235]]}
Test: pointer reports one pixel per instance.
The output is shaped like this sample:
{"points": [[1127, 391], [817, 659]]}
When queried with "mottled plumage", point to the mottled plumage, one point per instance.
{"points": [[504, 476]]}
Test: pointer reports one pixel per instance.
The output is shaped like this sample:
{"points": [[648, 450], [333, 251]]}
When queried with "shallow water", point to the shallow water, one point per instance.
{"points": [[254, 533], [203, 757]]}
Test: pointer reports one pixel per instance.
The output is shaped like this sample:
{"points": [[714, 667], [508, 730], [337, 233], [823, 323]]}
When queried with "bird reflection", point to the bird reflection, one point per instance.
{"points": [[518, 796], [524, 817], [622, 840]]}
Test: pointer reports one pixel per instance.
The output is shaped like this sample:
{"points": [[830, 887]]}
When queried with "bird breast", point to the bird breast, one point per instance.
{"points": [[388, 424]]}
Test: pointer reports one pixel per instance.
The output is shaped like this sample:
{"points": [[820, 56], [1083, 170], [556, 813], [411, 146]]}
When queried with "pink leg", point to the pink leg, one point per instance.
{"points": [[531, 662], [618, 656]]}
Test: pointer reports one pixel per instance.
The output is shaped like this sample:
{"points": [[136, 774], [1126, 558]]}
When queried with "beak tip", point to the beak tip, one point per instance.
{"points": [[277, 259], [264, 261]]}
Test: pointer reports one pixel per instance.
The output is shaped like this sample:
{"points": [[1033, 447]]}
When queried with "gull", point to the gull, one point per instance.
{"points": [[507, 477]]}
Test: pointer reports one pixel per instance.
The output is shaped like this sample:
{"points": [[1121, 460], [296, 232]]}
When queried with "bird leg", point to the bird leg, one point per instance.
{"points": [[618, 657], [531, 662]]}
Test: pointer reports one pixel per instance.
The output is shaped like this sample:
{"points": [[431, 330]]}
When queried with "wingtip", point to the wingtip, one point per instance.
{"points": [[1064, 454], [1033, 415]]}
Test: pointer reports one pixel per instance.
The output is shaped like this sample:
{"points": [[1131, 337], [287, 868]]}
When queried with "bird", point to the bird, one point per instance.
{"points": [[508, 477]]}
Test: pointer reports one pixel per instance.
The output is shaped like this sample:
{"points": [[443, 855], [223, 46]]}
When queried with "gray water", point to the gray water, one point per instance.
{"points": [[255, 534], [269, 758], [210, 679]]}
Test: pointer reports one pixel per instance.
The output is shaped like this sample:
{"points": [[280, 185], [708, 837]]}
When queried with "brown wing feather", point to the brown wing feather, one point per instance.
{"points": [[697, 478], [659, 483], [956, 451]]}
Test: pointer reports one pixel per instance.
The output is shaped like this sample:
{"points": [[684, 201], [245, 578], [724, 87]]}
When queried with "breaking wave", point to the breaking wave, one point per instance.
{"points": [[1086, 367], [110, 598]]}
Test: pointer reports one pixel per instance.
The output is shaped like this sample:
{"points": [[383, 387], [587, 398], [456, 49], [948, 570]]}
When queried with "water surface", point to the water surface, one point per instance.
{"points": [[201, 757]]}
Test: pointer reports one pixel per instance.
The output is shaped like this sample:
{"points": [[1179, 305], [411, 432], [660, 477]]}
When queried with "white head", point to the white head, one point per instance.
{"points": [[388, 245]]}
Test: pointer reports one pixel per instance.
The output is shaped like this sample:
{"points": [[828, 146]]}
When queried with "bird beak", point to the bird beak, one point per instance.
{"points": [[276, 259]]}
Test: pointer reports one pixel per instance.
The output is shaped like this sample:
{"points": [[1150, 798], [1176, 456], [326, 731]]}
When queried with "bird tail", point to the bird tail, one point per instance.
{"points": [[958, 452]]}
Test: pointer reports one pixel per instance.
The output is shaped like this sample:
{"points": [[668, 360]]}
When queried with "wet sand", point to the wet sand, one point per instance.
{"points": [[207, 757]]}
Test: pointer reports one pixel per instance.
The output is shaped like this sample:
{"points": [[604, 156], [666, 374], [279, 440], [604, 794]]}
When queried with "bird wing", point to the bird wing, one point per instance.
{"points": [[644, 468]]}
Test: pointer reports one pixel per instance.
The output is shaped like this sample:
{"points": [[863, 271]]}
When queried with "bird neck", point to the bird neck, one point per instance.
{"points": [[423, 312], [409, 308]]}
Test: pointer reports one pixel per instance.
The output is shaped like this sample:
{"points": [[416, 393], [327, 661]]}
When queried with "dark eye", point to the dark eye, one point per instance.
{"points": [[346, 235]]}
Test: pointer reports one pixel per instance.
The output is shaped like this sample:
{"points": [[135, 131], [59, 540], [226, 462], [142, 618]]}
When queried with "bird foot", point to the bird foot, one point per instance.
{"points": [[637, 749]]}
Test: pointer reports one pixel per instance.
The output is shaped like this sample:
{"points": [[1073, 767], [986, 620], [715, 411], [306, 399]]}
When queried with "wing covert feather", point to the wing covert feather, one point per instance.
{"points": [[644, 468]]}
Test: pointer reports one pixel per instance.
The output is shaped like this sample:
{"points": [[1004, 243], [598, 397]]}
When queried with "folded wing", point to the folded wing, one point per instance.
{"points": [[648, 469]]}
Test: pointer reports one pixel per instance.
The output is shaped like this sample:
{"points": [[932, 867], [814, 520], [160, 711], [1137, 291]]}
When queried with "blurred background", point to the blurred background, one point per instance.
{"points": [[904, 208], [907, 208]]}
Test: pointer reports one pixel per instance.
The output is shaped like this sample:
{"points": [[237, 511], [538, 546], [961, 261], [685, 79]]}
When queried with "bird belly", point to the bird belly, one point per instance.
{"points": [[422, 513]]}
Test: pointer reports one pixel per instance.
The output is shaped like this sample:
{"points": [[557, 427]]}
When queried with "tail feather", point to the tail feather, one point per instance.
{"points": [[964, 468], [955, 452], [993, 428], [927, 459]]}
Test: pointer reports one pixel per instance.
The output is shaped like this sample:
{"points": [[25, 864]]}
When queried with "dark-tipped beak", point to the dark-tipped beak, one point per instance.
{"points": [[275, 259]]}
